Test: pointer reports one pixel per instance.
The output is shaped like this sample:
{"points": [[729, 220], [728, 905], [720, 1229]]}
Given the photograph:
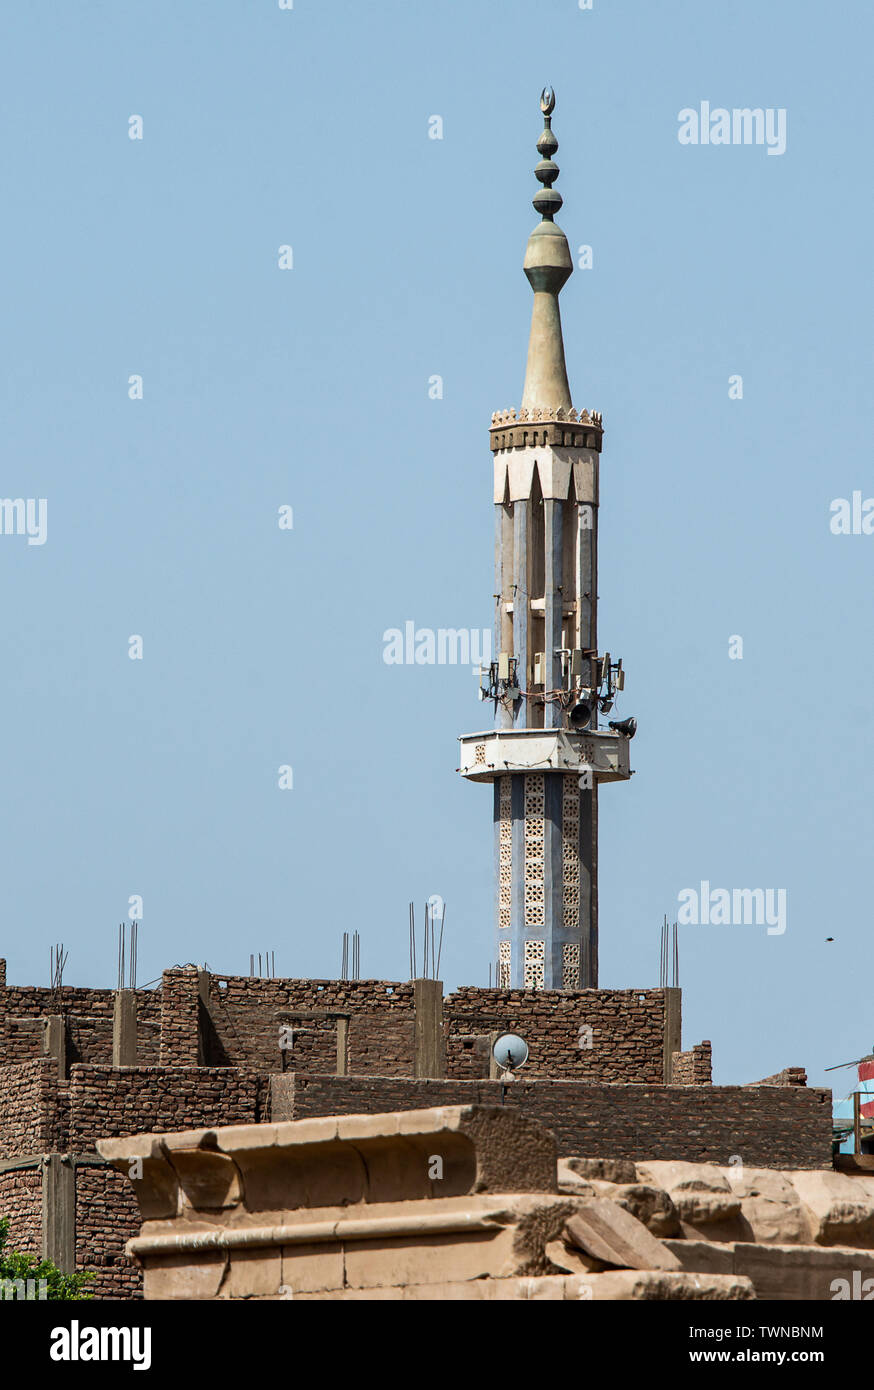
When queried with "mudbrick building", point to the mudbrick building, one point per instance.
{"points": [[607, 1079], [606, 1075]]}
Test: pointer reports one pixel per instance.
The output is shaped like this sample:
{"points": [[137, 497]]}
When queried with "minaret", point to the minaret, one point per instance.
{"points": [[547, 754]]}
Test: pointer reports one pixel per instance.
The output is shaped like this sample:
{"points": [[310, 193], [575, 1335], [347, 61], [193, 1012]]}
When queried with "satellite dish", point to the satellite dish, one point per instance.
{"points": [[510, 1051]]}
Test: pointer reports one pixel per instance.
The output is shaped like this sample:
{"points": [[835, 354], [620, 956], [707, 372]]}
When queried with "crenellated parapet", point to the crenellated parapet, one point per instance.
{"points": [[542, 427]]}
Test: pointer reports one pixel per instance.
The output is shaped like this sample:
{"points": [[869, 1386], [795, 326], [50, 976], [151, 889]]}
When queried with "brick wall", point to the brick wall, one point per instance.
{"points": [[627, 1031], [31, 1118], [693, 1068], [241, 1018], [180, 1018], [32, 1122], [106, 1102], [38, 1115], [88, 1014], [235, 1021], [311, 1047], [148, 1029], [21, 1201], [770, 1127], [107, 1216], [469, 1056], [383, 1043], [789, 1076]]}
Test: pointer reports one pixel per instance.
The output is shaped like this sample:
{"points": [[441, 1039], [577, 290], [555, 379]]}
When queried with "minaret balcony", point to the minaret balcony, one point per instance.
{"points": [[603, 753]]}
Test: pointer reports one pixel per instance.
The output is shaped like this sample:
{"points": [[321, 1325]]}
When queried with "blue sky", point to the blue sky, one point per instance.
{"points": [[309, 388]]}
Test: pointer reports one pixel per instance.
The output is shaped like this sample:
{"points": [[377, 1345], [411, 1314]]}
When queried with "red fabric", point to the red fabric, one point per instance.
{"points": [[866, 1071], [867, 1110]]}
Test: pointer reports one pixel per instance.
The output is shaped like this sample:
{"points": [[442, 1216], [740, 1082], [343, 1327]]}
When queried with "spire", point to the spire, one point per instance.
{"points": [[547, 266]]}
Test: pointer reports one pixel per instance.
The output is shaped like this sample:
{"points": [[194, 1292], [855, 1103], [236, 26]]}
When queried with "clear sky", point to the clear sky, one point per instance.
{"points": [[308, 387]]}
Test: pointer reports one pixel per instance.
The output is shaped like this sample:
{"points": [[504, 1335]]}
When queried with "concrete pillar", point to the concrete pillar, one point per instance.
{"points": [[552, 626], [521, 608], [673, 1029], [59, 1211], [342, 1046], [124, 1028], [503, 595], [55, 1043], [430, 1049]]}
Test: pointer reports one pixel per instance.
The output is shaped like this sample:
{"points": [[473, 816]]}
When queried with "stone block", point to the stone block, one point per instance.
{"points": [[611, 1234], [771, 1208], [185, 1276], [629, 1285], [705, 1201], [309, 1268], [615, 1170], [838, 1207], [253, 1274]]}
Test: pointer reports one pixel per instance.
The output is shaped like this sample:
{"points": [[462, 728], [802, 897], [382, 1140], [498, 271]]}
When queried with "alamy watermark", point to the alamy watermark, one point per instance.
{"points": [[852, 516], [736, 907], [21, 516], [445, 646], [860, 1289], [740, 126], [77, 1343], [24, 1289]]}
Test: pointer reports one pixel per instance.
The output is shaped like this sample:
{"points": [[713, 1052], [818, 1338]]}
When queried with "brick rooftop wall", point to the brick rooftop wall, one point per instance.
{"points": [[770, 1127], [693, 1068], [88, 1014], [627, 1037], [240, 1021], [106, 1102], [181, 1015], [245, 1015]]}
